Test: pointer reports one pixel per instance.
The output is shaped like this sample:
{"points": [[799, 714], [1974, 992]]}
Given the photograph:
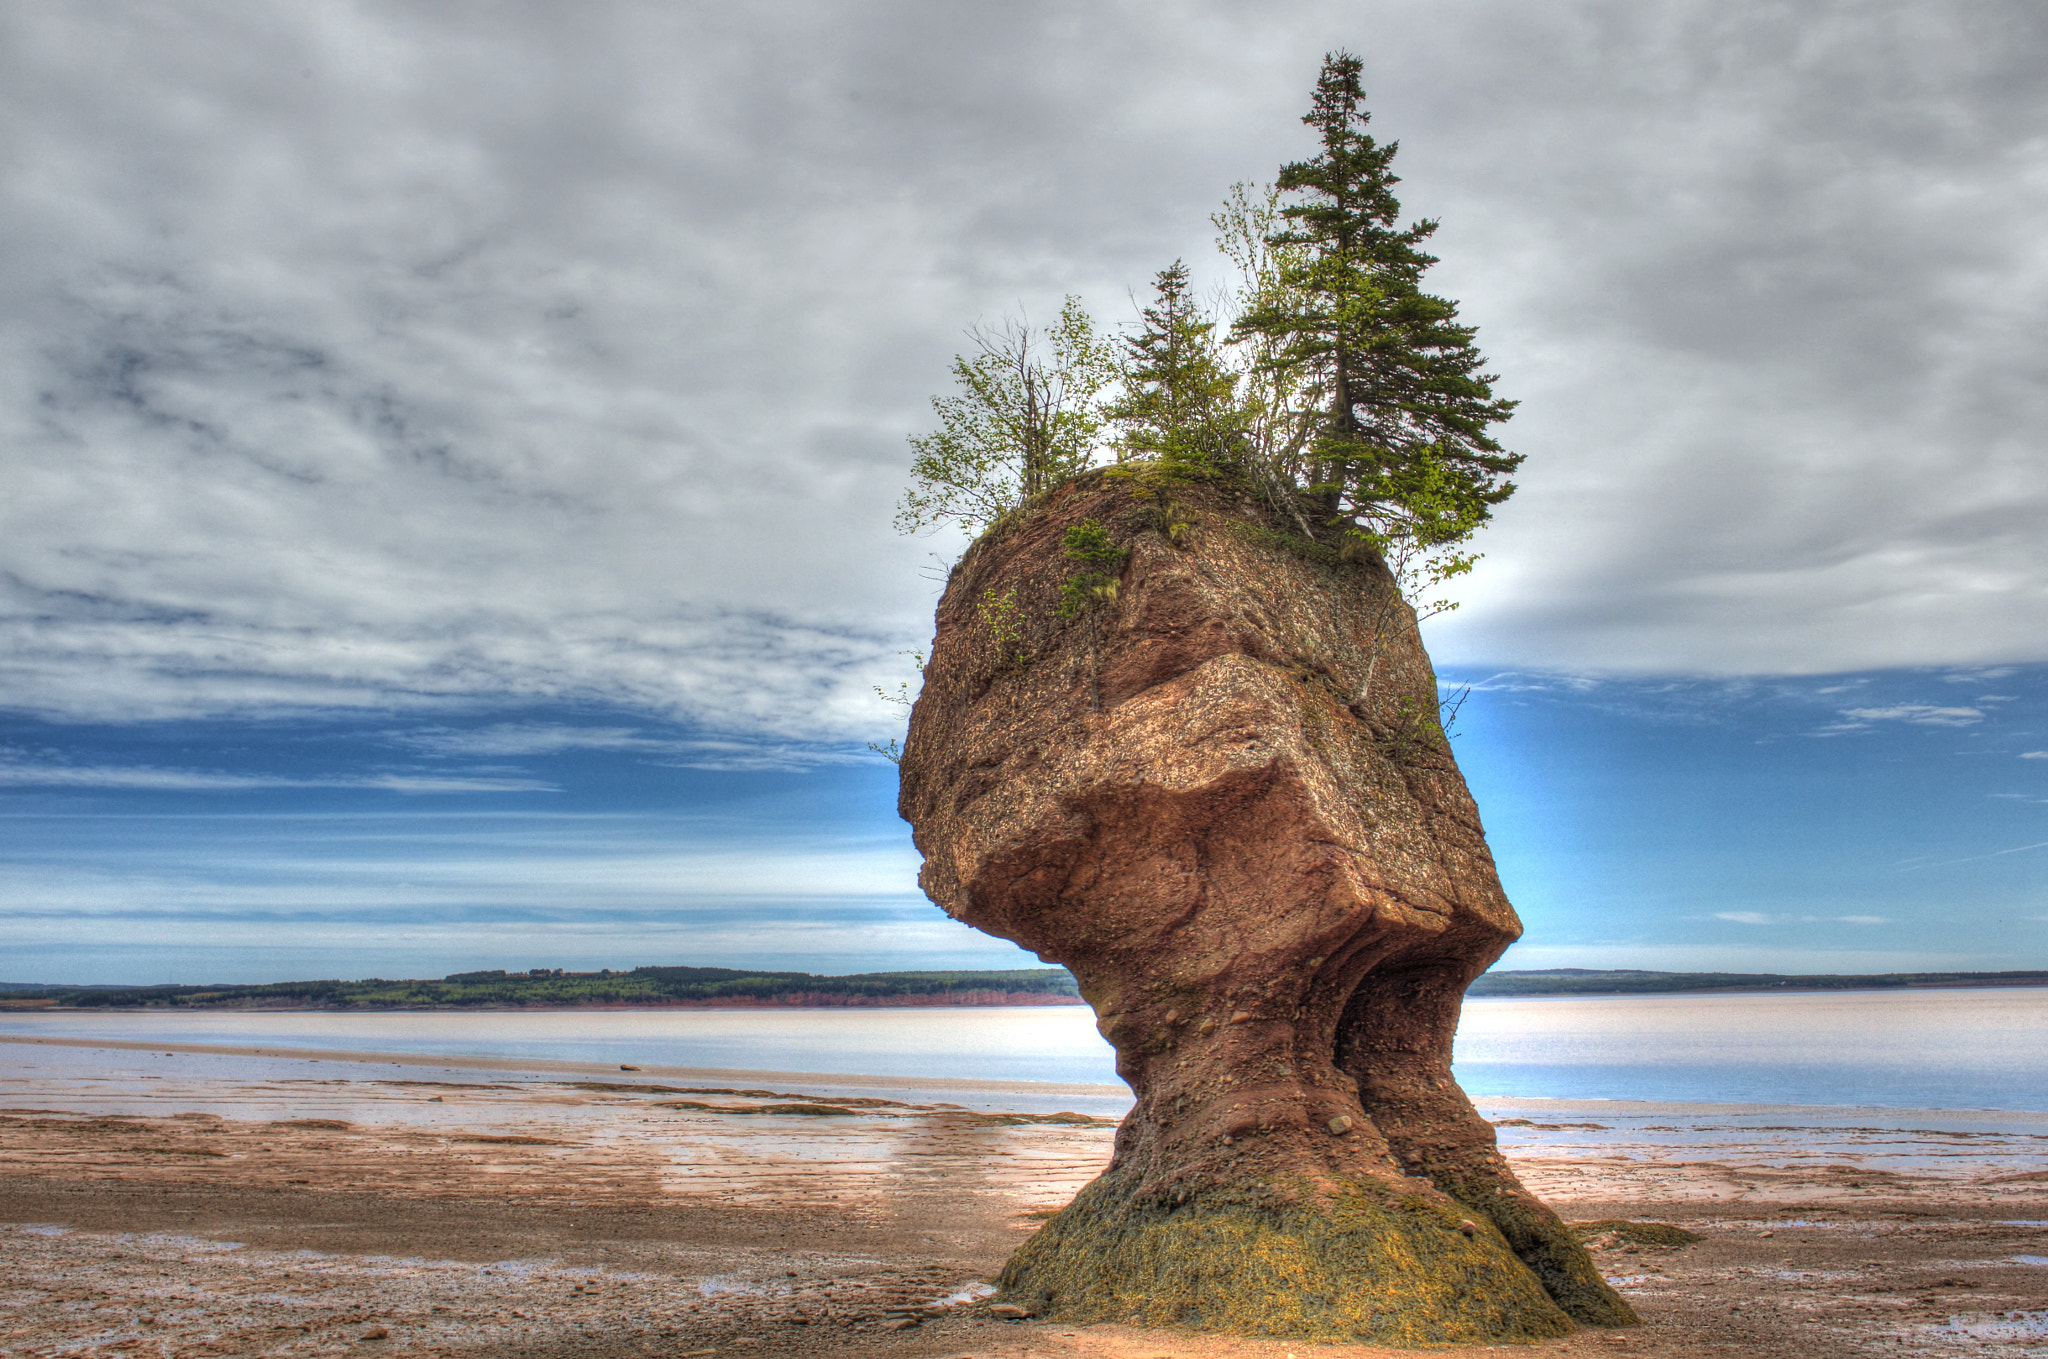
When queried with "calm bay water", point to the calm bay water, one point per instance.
{"points": [[1981, 1048], [1960, 1049], [1026, 1043]]}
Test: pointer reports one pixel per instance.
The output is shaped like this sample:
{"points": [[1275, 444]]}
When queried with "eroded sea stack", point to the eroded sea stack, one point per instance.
{"points": [[1207, 777]]}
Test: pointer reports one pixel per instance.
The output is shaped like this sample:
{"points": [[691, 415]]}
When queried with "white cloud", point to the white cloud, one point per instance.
{"points": [[1860, 919], [1519, 682], [2034, 754], [626, 877], [396, 355], [513, 739], [505, 739], [1921, 714], [1745, 917], [29, 774]]}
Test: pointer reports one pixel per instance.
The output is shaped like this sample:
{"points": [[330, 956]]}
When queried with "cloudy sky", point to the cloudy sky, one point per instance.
{"points": [[447, 453]]}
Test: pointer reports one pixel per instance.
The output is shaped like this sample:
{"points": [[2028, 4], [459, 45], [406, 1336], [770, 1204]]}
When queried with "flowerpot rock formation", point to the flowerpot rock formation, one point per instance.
{"points": [[1209, 779]]}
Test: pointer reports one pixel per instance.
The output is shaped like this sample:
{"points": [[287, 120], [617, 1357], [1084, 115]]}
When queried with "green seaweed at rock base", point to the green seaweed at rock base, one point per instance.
{"points": [[1359, 1268], [1550, 1249]]}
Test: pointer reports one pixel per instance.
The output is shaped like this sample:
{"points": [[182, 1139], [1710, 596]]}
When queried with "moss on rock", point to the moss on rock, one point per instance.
{"points": [[1360, 1267], [1551, 1250]]}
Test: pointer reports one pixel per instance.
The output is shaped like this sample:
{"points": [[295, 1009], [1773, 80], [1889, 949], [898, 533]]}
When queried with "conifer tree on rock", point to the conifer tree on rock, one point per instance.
{"points": [[1404, 453], [1179, 402]]}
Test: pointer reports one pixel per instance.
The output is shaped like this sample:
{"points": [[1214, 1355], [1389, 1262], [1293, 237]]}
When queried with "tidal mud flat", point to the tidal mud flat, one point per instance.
{"points": [[185, 1203]]}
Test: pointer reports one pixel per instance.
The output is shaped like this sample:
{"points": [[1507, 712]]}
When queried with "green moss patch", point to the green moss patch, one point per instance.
{"points": [[1363, 1269], [1549, 1248], [1308, 549]]}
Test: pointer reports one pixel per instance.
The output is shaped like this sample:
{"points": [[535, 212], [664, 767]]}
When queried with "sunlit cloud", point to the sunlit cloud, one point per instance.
{"points": [[1915, 714], [1761, 918], [18, 774], [529, 738], [1922, 714], [512, 740]]}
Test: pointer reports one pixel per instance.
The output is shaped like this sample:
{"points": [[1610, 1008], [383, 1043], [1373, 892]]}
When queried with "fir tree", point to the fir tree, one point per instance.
{"points": [[1179, 400], [1403, 454]]}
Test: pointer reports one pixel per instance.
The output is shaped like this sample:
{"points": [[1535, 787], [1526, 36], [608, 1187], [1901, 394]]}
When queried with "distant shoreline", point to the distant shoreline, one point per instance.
{"points": [[1572, 981], [722, 989], [540, 988], [1758, 991], [939, 1001]]}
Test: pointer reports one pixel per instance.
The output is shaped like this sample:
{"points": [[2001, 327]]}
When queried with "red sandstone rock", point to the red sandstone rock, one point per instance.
{"points": [[1220, 797]]}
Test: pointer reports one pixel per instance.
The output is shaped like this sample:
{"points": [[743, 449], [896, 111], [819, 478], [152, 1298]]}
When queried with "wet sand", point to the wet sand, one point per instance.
{"points": [[233, 1202]]}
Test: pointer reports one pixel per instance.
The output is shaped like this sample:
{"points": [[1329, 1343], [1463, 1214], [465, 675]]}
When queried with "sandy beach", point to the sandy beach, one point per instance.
{"points": [[201, 1200]]}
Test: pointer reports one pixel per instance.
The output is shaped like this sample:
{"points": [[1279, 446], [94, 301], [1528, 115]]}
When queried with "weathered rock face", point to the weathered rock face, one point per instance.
{"points": [[1220, 797]]}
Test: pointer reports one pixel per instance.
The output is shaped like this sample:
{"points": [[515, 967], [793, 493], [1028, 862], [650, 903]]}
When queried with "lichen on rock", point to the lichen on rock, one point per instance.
{"points": [[1220, 797]]}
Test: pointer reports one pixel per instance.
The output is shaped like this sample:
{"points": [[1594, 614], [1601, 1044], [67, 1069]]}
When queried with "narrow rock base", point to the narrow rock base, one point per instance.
{"points": [[1363, 1266], [1543, 1244]]}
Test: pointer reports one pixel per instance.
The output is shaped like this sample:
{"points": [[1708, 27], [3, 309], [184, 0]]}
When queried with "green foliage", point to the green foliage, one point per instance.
{"points": [[1279, 402], [902, 696], [1153, 484], [1173, 520], [1101, 560], [1342, 378], [1024, 418], [1295, 544], [1179, 400], [1399, 450], [1413, 728], [1345, 393], [1004, 619], [893, 751]]}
